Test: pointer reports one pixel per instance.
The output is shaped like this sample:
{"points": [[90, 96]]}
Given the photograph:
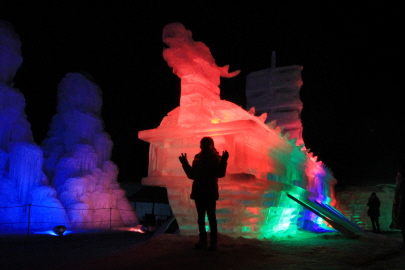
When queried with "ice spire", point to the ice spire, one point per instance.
{"points": [[77, 153], [23, 184]]}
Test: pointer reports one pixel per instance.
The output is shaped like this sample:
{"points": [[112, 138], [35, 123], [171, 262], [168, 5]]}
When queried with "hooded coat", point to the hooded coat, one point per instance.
{"points": [[205, 170], [373, 207]]}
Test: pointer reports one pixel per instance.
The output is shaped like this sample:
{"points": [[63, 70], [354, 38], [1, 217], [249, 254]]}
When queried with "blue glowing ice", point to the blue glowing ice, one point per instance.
{"points": [[23, 185], [71, 179], [77, 158]]}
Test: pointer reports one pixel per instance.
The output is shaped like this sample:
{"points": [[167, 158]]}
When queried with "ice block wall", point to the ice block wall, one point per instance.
{"points": [[352, 202], [77, 158], [264, 162], [25, 194]]}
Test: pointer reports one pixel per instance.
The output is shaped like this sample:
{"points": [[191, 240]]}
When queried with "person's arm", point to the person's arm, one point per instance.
{"points": [[223, 164], [186, 166]]}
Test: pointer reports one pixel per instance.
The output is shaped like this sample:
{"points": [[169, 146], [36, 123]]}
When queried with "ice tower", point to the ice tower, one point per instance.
{"points": [[276, 91], [77, 158], [264, 162], [24, 189]]}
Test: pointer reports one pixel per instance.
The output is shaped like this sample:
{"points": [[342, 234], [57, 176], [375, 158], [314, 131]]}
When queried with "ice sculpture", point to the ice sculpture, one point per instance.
{"points": [[190, 59], [276, 92], [264, 163], [77, 158], [10, 52], [23, 185], [193, 63]]}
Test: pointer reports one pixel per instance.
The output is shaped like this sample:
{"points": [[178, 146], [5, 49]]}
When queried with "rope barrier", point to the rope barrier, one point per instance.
{"points": [[102, 224]]}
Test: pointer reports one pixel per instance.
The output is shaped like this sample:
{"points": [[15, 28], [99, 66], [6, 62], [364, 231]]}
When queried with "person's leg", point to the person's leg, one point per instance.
{"points": [[373, 223], [212, 218], [377, 223], [200, 206]]}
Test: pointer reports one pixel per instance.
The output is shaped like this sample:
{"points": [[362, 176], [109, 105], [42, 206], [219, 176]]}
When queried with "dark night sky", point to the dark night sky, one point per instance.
{"points": [[353, 101]]}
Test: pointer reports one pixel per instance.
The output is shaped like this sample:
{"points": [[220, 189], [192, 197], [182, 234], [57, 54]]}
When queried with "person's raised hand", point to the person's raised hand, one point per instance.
{"points": [[183, 158], [225, 155]]}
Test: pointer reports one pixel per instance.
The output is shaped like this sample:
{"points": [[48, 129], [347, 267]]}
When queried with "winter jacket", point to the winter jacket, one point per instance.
{"points": [[206, 168], [373, 207]]}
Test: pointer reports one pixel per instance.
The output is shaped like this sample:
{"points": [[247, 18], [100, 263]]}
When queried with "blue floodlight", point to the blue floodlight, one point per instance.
{"points": [[59, 230]]}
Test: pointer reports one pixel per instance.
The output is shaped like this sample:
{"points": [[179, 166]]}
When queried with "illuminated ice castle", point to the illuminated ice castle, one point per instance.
{"points": [[264, 165]]}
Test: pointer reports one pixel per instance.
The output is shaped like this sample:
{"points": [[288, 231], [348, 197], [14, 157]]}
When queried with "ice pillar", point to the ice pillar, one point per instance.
{"points": [[77, 153]]}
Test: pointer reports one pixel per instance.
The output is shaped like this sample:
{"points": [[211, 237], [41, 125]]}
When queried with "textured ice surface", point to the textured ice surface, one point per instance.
{"points": [[276, 92], [264, 162], [10, 52], [77, 158], [22, 180], [192, 61], [83, 191]]}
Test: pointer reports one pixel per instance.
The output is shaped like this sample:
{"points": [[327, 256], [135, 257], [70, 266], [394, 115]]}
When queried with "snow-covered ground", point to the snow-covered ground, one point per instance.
{"points": [[126, 250]]}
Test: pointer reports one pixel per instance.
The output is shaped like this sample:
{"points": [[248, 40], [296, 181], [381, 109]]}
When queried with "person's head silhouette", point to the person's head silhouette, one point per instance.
{"points": [[207, 144]]}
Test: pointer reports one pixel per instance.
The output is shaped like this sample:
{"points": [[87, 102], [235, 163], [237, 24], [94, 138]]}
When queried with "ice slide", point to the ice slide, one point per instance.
{"points": [[338, 221]]}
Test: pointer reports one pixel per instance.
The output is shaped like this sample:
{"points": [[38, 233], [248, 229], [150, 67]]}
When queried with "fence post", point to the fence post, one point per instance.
{"points": [[110, 217], [29, 220]]}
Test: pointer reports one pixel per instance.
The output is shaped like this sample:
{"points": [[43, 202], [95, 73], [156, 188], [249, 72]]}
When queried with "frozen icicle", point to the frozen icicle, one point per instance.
{"points": [[78, 152], [26, 168], [85, 158], [14, 126], [22, 180], [3, 161], [103, 146]]}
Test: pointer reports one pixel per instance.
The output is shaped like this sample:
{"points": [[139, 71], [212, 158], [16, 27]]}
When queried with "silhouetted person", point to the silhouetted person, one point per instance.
{"points": [[205, 170], [398, 208], [374, 211]]}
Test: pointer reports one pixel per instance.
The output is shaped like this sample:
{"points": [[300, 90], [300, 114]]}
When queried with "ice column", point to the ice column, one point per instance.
{"points": [[22, 181], [77, 153]]}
